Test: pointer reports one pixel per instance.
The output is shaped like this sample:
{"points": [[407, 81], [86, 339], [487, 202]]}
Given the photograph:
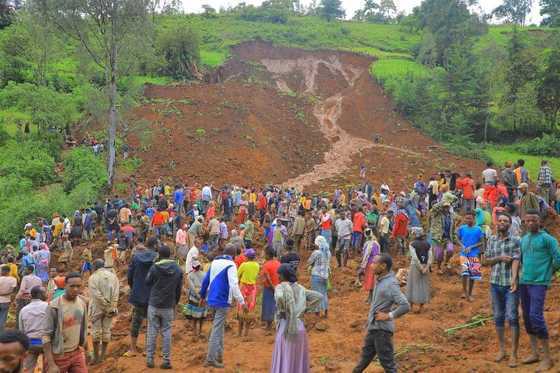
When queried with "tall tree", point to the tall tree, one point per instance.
{"points": [[514, 11], [548, 89], [550, 11], [331, 9], [105, 29], [446, 23], [520, 70]]}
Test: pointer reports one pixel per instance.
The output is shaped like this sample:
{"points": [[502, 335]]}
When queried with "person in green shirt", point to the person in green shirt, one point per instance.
{"points": [[249, 232], [540, 257]]}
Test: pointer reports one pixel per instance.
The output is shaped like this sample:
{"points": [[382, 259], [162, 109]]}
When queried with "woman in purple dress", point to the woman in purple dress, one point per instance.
{"points": [[291, 353]]}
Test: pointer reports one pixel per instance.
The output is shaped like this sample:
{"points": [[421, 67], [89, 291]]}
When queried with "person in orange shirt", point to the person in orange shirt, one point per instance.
{"points": [[158, 222], [358, 224]]}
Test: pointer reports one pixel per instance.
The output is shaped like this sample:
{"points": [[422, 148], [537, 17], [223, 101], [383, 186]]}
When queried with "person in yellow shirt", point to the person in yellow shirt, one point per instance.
{"points": [[13, 267], [248, 273]]}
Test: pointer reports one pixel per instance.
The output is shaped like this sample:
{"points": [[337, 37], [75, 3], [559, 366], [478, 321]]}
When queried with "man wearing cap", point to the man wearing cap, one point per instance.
{"points": [[219, 286]]}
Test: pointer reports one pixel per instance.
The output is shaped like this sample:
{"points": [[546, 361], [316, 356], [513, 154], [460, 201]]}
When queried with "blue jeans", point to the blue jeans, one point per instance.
{"points": [[357, 240], [320, 284], [327, 233], [160, 320], [4, 307], [504, 305], [532, 303]]}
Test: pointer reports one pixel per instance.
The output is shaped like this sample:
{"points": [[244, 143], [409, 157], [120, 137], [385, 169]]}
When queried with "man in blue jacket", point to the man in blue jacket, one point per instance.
{"points": [[138, 268], [166, 280], [219, 286]]}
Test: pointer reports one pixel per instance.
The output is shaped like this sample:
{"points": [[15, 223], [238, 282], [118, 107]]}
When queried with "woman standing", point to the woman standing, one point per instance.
{"points": [[42, 259], [291, 353], [193, 309], [418, 282], [320, 262], [370, 251]]}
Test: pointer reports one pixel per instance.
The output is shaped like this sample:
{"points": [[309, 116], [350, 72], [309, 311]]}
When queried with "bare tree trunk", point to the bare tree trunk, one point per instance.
{"points": [[113, 115]]}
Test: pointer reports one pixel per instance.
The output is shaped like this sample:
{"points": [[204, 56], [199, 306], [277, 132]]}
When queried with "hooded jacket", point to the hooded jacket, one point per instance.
{"points": [[138, 269], [166, 280]]}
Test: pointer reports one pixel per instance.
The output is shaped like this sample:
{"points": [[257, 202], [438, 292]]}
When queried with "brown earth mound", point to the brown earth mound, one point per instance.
{"points": [[282, 115]]}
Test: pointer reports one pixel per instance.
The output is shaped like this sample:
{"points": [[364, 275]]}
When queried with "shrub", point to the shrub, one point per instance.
{"points": [[548, 145], [180, 48], [29, 159], [80, 166]]}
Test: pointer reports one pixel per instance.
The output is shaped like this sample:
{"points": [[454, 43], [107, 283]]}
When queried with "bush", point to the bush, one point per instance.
{"points": [[180, 48], [29, 159], [272, 13], [547, 145], [81, 166]]}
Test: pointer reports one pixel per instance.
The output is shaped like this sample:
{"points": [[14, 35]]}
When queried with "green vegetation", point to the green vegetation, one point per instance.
{"points": [[502, 154]]}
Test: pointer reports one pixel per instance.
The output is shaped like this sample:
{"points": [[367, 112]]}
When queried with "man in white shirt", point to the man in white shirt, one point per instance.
{"points": [[8, 286], [32, 322], [490, 175], [192, 254], [344, 233]]}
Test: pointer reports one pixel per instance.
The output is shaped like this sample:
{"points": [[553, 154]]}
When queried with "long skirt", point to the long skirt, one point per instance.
{"points": [[320, 284], [417, 286], [291, 354], [369, 278], [268, 304]]}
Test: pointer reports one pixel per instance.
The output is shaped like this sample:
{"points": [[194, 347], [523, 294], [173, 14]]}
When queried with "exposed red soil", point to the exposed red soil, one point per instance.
{"points": [[282, 115], [339, 115]]}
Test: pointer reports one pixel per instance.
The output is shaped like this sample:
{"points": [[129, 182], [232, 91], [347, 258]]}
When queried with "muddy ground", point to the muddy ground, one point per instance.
{"points": [[308, 119]]}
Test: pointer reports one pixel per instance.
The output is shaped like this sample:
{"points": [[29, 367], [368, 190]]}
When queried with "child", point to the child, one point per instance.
{"points": [[248, 273], [193, 310], [86, 258]]}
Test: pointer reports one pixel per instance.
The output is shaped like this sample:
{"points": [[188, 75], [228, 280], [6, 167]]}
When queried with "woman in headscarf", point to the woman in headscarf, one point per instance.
{"points": [[320, 263], [291, 353], [42, 259], [371, 249], [193, 309], [418, 282]]}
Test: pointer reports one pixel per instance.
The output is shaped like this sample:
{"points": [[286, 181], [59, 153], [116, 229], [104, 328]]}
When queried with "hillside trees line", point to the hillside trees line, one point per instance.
{"points": [[477, 91]]}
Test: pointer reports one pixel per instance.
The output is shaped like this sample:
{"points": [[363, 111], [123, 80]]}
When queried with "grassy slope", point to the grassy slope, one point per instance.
{"points": [[501, 155]]}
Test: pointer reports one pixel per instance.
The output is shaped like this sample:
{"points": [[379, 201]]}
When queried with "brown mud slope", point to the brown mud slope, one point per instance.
{"points": [[283, 115]]}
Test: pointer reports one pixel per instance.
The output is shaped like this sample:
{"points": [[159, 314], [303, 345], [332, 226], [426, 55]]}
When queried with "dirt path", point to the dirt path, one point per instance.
{"points": [[344, 146]]}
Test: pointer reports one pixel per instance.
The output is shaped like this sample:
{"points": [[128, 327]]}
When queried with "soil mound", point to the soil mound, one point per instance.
{"points": [[282, 115]]}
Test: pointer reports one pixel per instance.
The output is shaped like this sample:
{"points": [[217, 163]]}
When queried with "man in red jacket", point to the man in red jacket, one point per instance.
{"points": [[400, 229]]}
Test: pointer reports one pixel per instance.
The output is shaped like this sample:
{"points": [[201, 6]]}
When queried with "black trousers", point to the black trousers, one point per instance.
{"points": [[380, 343]]}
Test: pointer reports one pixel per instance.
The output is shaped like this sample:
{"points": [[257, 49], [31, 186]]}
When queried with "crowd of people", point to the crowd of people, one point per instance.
{"points": [[219, 248]]}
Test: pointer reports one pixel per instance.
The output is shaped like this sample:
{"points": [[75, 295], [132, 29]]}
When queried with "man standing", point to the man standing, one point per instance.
{"points": [[471, 239], [165, 279], [206, 197], [544, 181], [8, 286], [32, 323], [249, 232], [192, 254], [64, 338], [218, 287], [344, 233], [23, 297], [528, 200], [384, 229], [359, 223], [181, 242], [214, 233], [441, 222], [140, 264], [508, 177], [297, 230], [13, 348], [540, 257], [490, 175], [503, 254], [381, 325], [104, 299]]}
